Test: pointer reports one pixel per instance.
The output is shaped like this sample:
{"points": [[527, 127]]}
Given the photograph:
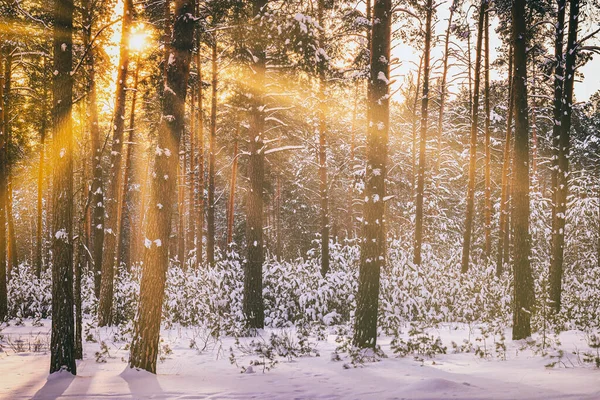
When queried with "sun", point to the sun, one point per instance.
{"points": [[138, 39]]}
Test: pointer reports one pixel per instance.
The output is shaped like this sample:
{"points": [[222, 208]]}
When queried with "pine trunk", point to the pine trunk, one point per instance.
{"points": [[111, 229], [231, 202], [561, 190], [145, 343], [466, 251], [96, 192], [3, 179], [253, 306], [373, 246], [488, 149], [210, 216], [523, 279], [443, 88], [323, 192], [504, 196], [129, 199], [62, 343], [423, 140]]}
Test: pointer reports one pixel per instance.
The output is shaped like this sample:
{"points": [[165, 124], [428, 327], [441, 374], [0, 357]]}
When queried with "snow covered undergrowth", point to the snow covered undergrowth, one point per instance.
{"points": [[192, 367]]}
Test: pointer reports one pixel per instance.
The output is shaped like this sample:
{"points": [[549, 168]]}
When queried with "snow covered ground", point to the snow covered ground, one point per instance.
{"points": [[187, 373]]}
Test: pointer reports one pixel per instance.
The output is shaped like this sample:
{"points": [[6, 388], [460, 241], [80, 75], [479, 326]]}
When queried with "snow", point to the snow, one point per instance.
{"points": [[189, 373]]}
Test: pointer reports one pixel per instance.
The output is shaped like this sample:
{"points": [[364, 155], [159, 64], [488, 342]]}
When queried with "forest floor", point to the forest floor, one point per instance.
{"points": [[188, 373]]}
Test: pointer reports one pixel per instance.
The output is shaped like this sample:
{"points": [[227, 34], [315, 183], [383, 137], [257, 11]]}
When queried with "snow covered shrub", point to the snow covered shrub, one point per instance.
{"points": [[28, 296], [296, 293], [285, 344], [436, 291], [419, 344], [126, 295], [207, 296]]}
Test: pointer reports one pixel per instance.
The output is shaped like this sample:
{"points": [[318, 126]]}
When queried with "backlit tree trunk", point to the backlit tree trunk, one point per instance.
{"points": [[145, 343], [373, 245], [3, 177], [323, 192], [561, 190], [129, 198], [488, 149], [443, 88], [97, 201], [504, 210], [523, 280], [62, 343], [231, 202], [423, 140], [111, 231], [210, 216], [253, 306], [466, 251]]}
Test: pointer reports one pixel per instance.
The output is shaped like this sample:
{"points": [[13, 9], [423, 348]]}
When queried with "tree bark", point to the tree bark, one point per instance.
{"points": [[200, 163], [443, 88], [210, 216], [561, 190], [253, 306], [373, 245], [423, 140], [111, 231], [97, 201], [523, 279], [39, 259], [488, 149], [323, 192], [466, 251], [231, 202], [3, 179], [504, 196], [62, 343], [12, 241], [145, 343], [129, 200]]}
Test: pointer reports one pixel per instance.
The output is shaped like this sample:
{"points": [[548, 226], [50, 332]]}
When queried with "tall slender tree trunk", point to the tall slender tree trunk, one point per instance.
{"points": [[129, 198], [13, 260], [39, 261], [351, 232], [443, 88], [414, 126], [3, 179], [504, 196], [488, 148], [200, 163], [231, 202], [373, 246], [473, 150], [145, 343], [323, 192], [62, 343], [181, 203], [210, 216], [191, 225], [253, 306], [97, 201], [12, 241], [523, 279], [423, 140], [561, 190], [111, 231]]}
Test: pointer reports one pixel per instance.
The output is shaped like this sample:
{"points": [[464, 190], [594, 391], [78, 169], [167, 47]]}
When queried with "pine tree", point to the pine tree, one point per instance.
{"points": [[372, 257], [473, 146], [144, 347], [523, 279], [62, 343]]}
